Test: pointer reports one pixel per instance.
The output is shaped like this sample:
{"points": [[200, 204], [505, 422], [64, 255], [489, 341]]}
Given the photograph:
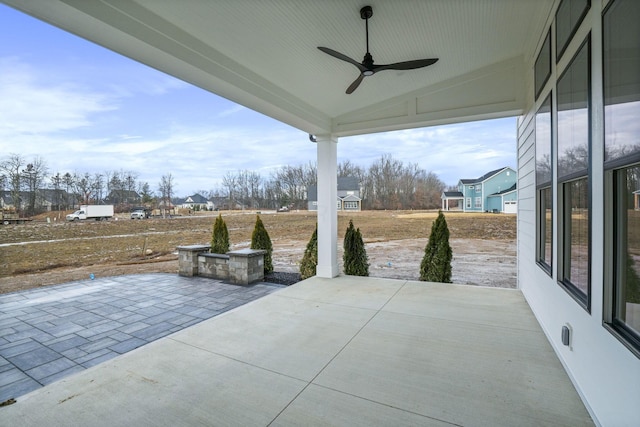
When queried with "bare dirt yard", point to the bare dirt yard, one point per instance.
{"points": [[43, 252]]}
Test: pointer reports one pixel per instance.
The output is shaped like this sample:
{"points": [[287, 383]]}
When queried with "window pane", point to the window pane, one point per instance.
{"points": [[568, 18], [621, 34], [543, 65], [573, 115], [543, 143], [627, 283], [545, 221], [576, 235]]}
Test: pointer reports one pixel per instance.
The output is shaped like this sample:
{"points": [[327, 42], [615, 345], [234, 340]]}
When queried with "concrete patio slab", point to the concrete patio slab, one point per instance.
{"points": [[373, 367], [320, 406], [291, 336]]}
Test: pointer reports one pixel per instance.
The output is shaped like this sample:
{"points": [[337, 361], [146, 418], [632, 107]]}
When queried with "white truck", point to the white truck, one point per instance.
{"points": [[96, 212]]}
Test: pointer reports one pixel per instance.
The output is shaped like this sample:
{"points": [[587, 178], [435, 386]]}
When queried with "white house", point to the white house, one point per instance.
{"points": [[568, 69], [348, 197]]}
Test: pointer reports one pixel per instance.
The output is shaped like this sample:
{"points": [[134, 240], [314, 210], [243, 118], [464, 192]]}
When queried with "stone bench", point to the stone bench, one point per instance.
{"points": [[240, 267]]}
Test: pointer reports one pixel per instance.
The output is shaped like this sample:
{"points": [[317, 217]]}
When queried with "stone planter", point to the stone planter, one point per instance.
{"points": [[240, 267]]}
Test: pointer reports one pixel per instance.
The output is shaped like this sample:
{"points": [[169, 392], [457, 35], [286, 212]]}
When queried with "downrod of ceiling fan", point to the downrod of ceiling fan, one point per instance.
{"points": [[366, 13]]}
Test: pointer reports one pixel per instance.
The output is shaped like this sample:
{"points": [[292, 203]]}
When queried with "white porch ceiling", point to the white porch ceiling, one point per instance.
{"points": [[263, 54]]}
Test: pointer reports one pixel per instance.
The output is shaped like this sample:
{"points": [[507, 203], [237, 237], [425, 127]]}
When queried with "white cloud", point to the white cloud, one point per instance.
{"points": [[30, 106]]}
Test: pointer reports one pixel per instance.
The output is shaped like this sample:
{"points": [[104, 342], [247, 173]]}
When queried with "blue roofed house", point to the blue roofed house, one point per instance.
{"points": [[494, 191]]}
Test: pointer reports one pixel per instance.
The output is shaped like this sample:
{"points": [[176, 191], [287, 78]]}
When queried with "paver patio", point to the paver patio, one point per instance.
{"points": [[49, 333]]}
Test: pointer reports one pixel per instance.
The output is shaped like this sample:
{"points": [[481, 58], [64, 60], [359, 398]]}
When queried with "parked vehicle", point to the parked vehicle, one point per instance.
{"points": [[147, 212], [138, 214], [95, 212], [7, 218]]}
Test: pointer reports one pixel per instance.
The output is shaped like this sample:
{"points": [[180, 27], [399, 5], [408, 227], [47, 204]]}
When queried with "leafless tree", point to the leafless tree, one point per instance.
{"points": [[33, 176], [166, 188], [12, 169], [229, 182]]}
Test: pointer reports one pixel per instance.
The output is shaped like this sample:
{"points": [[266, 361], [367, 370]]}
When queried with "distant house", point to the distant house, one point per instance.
{"points": [[46, 200], [197, 202], [117, 197], [494, 191], [348, 195]]}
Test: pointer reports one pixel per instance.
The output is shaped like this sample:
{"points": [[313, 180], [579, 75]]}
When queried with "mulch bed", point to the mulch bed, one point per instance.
{"points": [[282, 278]]}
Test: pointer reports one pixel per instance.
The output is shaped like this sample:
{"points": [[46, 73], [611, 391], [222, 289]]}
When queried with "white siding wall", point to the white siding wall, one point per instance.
{"points": [[605, 373]]}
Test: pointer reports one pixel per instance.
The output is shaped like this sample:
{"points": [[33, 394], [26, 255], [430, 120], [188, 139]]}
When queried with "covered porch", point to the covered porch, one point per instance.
{"points": [[342, 351], [477, 356]]}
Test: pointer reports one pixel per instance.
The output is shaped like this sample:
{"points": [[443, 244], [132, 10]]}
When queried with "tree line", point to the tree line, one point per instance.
{"points": [[388, 183]]}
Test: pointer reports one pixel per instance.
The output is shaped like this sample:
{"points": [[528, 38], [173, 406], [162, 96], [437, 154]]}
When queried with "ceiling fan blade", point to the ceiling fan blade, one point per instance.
{"points": [[406, 65], [353, 86], [342, 57]]}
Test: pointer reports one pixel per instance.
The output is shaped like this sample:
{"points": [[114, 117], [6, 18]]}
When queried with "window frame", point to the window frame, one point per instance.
{"points": [[564, 211], [540, 80], [541, 224], [560, 50], [615, 221]]}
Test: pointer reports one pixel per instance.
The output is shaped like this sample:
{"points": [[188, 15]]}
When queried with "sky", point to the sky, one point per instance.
{"points": [[82, 108]]}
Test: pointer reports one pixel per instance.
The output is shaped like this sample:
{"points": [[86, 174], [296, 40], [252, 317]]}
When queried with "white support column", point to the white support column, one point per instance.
{"points": [[327, 210]]}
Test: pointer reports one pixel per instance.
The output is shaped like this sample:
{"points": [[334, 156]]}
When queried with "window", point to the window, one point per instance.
{"points": [[479, 188], [544, 216], [573, 92], [478, 204], [621, 73], [569, 16], [469, 202], [542, 67]]}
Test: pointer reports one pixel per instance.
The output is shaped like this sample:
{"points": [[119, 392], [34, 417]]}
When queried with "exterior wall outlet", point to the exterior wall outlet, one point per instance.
{"points": [[567, 333]]}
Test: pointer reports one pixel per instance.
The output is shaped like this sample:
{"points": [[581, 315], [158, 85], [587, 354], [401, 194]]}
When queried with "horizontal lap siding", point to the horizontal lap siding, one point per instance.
{"points": [[526, 198]]}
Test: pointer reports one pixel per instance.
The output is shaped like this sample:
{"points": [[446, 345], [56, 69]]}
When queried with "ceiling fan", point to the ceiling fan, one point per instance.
{"points": [[367, 67]]}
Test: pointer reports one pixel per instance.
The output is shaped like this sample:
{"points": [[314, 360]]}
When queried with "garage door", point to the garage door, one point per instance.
{"points": [[510, 207]]}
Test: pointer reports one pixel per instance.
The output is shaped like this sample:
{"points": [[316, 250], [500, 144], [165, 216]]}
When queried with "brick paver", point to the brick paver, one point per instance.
{"points": [[49, 333]]}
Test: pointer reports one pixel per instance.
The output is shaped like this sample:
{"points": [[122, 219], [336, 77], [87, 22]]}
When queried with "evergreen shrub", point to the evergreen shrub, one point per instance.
{"points": [[260, 240], [219, 237], [436, 263], [354, 256], [310, 259]]}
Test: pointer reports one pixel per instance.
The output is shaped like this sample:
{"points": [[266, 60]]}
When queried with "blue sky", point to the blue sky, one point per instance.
{"points": [[83, 108]]}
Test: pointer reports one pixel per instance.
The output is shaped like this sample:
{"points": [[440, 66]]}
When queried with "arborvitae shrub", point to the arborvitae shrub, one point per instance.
{"points": [[310, 259], [219, 237], [260, 240], [436, 263], [354, 256]]}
